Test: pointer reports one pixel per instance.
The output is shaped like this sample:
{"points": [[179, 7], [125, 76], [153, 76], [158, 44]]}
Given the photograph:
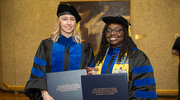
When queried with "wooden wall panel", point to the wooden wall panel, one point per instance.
{"points": [[0, 50], [7, 41], [157, 21]]}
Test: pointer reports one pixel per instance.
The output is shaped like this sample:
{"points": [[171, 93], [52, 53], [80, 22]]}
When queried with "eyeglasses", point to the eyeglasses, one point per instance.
{"points": [[115, 31]]}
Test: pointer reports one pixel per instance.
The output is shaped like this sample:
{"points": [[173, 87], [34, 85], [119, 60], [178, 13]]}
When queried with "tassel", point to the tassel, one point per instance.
{"points": [[78, 27], [68, 4], [129, 29]]}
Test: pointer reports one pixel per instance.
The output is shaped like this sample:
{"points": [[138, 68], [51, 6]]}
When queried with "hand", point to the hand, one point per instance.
{"points": [[45, 95], [91, 71]]}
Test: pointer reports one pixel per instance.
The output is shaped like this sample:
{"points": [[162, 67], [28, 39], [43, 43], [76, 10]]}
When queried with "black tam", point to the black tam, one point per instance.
{"points": [[116, 19], [66, 9]]}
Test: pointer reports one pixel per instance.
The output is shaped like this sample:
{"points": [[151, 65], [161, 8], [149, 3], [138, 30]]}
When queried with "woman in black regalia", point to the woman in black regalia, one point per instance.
{"points": [[64, 51], [118, 54]]}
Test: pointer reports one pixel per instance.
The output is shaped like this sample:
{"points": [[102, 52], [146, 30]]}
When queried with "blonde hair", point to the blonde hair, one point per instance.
{"points": [[56, 34]]}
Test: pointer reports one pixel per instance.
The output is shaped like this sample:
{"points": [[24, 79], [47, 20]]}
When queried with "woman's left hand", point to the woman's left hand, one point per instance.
{"points": [[91, 71]]}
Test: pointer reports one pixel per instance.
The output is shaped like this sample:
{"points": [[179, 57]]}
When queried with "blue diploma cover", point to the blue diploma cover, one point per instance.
{"points": [[105, 87], [65, 85]]}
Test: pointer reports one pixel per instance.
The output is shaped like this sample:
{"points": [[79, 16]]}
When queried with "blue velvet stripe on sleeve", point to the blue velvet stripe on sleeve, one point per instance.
{"points": [[37, 72], [144, 82], [145, 94], [142, 69], [39, 61]]}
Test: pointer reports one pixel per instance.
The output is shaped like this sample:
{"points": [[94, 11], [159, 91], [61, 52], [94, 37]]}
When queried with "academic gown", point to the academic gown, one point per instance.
{"points": [[141, 83], [65, 54], [176, 46]]}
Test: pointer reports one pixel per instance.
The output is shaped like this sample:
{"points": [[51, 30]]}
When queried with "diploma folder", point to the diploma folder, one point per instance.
{"points": [[65, 85], [105, 87]]}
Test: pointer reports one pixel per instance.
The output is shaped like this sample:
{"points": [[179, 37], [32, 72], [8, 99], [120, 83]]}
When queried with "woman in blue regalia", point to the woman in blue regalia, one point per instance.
{"points": [[118, 53], [64, 51]]}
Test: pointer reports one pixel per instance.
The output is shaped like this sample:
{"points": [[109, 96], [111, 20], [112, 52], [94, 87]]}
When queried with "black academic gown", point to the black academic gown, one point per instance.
{"points": [[62, 55], [176, 46], [141, 84]]}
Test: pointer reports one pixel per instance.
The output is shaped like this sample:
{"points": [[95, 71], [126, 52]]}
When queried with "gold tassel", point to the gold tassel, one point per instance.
{"points": [[68, 4], [78, 26], [129, 30]]}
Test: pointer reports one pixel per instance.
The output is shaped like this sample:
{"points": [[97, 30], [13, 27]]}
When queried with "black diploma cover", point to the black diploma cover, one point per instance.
{"points": [[105, 87], [65, 85]]}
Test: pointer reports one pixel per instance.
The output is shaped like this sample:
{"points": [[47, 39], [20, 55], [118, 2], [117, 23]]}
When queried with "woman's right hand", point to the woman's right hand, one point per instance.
{"points": [[45, 95]]}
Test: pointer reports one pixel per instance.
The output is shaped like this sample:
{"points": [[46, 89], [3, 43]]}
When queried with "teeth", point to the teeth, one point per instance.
{"points": [[112, 38], [68, 27]]}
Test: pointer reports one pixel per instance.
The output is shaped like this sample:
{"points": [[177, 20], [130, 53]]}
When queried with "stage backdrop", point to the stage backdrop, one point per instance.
{"points": [[91, 25]]}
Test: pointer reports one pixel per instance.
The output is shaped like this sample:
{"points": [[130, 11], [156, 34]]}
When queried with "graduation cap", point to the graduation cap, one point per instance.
{"points": [[116, 19], [66, 9]]}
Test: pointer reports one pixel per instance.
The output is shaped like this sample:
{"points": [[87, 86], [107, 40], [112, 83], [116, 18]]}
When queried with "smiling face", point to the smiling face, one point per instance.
{"points": [[114, 35], [67, 23]]}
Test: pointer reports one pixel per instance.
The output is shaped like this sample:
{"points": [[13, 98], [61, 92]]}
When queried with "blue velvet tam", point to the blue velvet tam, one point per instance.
{"points": [[116, 19], [66, 10]]}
